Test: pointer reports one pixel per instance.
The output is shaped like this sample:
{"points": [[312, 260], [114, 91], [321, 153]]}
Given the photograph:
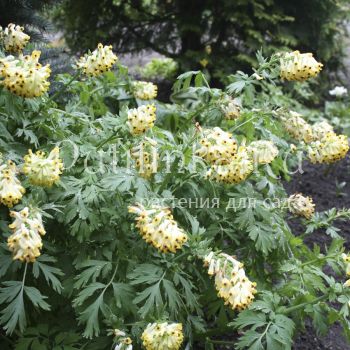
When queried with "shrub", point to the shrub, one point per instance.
{"points": [[136, 222]]}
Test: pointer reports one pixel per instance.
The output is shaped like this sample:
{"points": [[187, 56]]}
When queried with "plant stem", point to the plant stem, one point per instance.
{"points": [[222, 342], [301, 306], [318, 259], [58, 93], [64, 88], [24, 275]]}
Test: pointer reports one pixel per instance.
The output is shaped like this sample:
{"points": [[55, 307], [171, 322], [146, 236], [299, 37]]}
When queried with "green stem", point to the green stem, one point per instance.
{"points": [[301, 306], [247, 121], [58, 93], [113, 137], [64, 88], [24, 276], [319, 259], [222, 342]]}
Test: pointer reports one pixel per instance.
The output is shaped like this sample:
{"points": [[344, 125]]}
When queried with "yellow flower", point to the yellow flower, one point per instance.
{"points": [[141, 119], [41, 170], [321, 129], [330, 149], [145, 90], [25, 76], [25, 242], [239, 168], [204, 62], [217, 146], [301, 206], [163, 336], [230, 108], [346, 259], [231, 282], [157, 227], [11, 190], [297, 127], [262, 151], [299, 66], [97, 62], [14, 38], [146, 157]]}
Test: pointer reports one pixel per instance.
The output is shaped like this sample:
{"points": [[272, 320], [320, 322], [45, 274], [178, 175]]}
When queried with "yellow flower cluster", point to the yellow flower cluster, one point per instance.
{"points": [[25, 76], [146, 157], [163, 336], [141, 119], [239, 168], [299, 66], [230, 108], [145, 90], [321, 129], [97, 62], [231, 281], [25, 241], [217, 146], [262, 151], [329, 149], [11, 190], [301, 206], [41, 170], [157, 227], [13, 37], [346, 259], [297, 127]]}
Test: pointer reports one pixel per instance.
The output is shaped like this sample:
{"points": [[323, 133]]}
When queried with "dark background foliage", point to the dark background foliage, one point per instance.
{"points": [[25, 13], [182, 29]]}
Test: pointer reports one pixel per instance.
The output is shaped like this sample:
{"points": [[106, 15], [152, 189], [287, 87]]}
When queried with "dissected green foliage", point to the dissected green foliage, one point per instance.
{"points": [[97, 274]]}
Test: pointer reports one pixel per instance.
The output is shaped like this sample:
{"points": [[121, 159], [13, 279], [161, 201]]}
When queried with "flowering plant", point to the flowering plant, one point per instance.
{"points": [[123, 210]]}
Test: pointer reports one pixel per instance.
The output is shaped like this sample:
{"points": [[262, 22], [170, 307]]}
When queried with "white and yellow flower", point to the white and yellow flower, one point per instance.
{"points": [[146, 157], [321, 129], [301, 206], [144, 90], [297, 127], [141, 119], [14, 38], [97, 62], [43, 170], [217, 146], [239, 168], [11, 190], [25, 242], [262, 151], [230, 108], [157, 227], [163, 336], [231, 282], [299, 66], [25, 76], [330, 149]]}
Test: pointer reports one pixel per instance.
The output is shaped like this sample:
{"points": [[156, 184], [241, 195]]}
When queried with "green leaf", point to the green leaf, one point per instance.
{"points": [[14, 312], [90, 317], [48, 271], [36, 297]]}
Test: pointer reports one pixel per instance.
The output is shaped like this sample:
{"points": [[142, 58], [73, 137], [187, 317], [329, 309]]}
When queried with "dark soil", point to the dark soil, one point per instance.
{"points": [[321, 182]]}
